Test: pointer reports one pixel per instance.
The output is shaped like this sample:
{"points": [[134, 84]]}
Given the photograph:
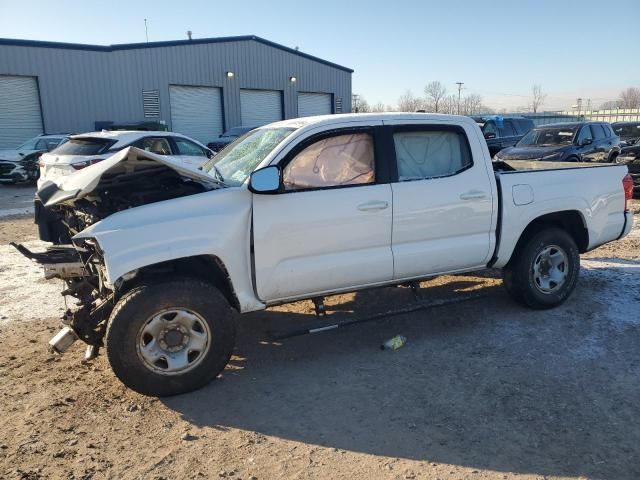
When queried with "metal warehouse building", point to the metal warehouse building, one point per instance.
{"points": [[198, 87]]}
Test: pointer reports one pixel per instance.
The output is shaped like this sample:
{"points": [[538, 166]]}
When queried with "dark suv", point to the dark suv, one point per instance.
{"points": [[566, 142], [502, 132], [629, 132]]}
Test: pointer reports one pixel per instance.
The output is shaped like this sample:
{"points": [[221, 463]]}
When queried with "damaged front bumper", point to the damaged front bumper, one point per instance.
{"points": [[80, 268]]}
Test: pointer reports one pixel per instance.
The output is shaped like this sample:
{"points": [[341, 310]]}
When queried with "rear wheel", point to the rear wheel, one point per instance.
{"points": [[170, 338], [544, 271]]}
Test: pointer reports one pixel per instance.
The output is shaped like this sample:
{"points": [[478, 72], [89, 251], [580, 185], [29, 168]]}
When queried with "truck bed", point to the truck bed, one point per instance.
{"points": [[530, 189]]}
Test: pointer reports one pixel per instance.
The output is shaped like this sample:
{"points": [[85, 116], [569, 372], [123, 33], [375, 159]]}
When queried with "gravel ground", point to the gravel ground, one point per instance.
{"points": [[483, 389]]}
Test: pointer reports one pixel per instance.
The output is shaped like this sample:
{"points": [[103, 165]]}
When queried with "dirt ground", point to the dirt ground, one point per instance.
{"points": [[483, 389]]}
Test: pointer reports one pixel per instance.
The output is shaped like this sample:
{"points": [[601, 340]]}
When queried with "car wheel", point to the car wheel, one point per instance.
{"points": [[572, 158], [544, 271], [169, 338], [613, 158]]}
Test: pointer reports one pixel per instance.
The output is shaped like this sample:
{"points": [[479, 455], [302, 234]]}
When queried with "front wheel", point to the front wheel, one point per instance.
{"points": [[544, 271], [169, 338]]}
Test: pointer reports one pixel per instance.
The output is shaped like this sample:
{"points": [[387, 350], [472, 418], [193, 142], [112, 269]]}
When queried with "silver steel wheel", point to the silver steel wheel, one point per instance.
{"points": [[550, 269], [173, 341]]}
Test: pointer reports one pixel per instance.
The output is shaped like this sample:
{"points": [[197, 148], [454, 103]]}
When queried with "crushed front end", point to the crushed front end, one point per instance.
{"points": [[81, 269]]}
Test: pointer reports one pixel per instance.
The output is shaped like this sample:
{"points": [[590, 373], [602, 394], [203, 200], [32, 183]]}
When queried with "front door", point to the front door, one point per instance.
{"points": [[329, 227], [442, 201], [587, 151]]}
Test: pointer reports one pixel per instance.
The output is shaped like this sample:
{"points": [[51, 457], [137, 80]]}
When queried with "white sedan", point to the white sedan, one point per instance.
{"points": [[90, 148]]}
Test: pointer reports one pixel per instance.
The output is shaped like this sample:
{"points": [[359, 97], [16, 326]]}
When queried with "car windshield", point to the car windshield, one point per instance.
{"points": [[546, 137], [84, 146], [627, 130], [236, 162], [29, 144]]}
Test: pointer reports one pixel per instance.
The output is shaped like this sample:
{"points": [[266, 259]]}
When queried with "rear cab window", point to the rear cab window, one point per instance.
{"points": [[430, 152], [85, 146]]}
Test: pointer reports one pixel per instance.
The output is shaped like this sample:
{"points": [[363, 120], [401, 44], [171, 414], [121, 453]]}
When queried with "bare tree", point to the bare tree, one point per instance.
{"points": [[359, 104], [471, 104], [435, 92], [408, 103], [450, 104], [538, 97], [611, 105], [379, 107], [630, 98]]}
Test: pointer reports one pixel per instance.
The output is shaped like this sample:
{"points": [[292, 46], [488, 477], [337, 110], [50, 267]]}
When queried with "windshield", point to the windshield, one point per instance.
{"points": [[84, 146], [236, 162], [627, 130], [547, 137], [29, 144]]}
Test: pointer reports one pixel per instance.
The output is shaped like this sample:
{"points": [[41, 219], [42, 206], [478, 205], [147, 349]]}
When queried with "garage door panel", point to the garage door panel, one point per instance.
{"points": [[310, 104], [259, 107], [196, 111], [20, 115]]}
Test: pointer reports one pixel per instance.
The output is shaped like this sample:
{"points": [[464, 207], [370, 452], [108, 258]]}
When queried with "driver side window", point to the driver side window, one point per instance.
{"points": [[584, 134], [346, 159]]}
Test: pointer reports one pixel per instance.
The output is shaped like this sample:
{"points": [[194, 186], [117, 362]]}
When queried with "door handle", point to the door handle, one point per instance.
{"points": [[473, 195], [373, 205]]}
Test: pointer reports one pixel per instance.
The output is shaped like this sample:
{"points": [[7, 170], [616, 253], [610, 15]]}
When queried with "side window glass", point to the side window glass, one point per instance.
{"points": [[490, 127], [159, 146], [185, 147], [584, 134], [598, 132], [507, 129], [333, 161], [430, 154], [41, 145]]}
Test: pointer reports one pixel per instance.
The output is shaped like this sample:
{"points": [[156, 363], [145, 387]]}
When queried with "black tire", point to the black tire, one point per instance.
{"points": [[520, 280], [572, 158], [132, 313], [613, 158]]}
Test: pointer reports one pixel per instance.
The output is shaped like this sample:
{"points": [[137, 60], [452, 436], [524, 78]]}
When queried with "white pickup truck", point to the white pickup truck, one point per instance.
{"points": [[159, 257]]}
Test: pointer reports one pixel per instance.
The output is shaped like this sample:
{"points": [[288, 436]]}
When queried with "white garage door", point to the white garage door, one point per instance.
{"points": [[310, 104], [259, 107], [196, 112], [20, 117]]}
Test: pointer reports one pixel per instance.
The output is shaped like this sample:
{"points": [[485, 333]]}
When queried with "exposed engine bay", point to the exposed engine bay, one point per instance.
{"points": [[62, 211]]}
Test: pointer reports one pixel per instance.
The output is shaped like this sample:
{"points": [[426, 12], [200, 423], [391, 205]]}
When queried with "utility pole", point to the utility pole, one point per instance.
{"points": [[459, 88], [356, 102], [146, 30]]}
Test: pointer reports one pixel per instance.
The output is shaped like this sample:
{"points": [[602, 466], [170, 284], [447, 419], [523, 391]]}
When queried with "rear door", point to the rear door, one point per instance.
{"points": [[602, 143], [329, 227], [442, 200]]}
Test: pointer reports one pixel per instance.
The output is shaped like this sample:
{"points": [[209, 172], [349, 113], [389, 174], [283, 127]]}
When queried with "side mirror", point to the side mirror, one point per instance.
{"points": [[265, 180], [210, 154], [490, 135], [586, 141]]}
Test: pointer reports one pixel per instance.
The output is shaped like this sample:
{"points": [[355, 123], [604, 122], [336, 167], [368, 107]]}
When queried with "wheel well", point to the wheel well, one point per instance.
{"points": [[569, 220], [207, 268]]}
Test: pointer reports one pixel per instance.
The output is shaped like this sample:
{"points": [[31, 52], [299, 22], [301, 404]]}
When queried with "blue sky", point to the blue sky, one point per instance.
{"points": [[498, 48]]}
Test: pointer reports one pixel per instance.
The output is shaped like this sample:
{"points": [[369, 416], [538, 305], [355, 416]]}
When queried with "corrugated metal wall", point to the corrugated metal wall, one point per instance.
{"points": [[79, 87]]}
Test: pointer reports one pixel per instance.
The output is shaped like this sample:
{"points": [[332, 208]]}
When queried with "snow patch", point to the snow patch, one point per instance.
{"points": [[26, 295]]}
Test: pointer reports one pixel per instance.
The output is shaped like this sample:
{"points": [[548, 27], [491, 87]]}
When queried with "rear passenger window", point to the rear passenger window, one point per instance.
{"points": [[598, 132], [430, 154], [507, 129]]}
